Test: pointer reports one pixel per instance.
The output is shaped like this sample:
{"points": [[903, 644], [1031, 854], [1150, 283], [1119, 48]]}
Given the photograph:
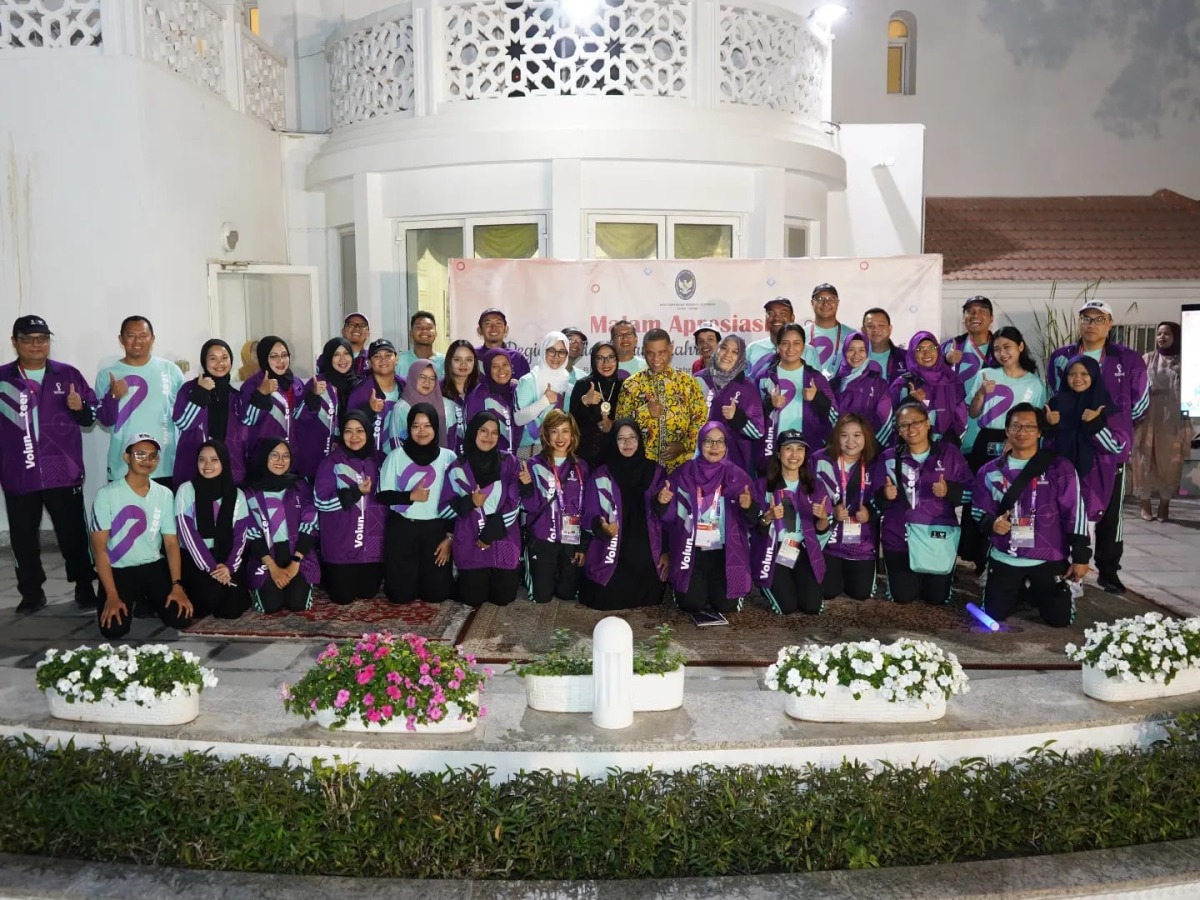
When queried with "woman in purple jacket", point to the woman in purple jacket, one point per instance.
{"points": [[552, 493], [787, 543], [625, 563], [859, 386], [496, 393], [709, 506], [733, 399], [924, 484], [272, 398], [461, 375], [483, 490], [208, 408], [282, 540], [325, 404], [849, 473], [933, 381], [351, 517]]}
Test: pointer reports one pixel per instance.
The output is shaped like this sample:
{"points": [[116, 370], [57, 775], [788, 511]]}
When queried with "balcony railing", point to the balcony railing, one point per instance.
{"points": [[199, 40], [412, 58]]}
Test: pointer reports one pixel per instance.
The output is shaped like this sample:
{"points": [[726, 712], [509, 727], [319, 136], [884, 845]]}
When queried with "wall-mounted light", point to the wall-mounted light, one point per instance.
{"points": [[825, 16]]}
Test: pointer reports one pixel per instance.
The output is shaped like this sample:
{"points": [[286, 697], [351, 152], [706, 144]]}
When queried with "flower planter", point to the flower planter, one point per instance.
{"points": [[167, 711], [450, 724], [839, 705], [1115, 690], [574, 693]]}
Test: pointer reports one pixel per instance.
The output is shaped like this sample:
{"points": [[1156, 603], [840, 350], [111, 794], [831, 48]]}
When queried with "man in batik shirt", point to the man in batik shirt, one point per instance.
{"points": [[666, 403]]}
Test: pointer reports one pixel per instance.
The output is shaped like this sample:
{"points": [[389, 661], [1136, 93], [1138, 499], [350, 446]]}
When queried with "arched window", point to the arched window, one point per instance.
{"points": [[902, 53]]}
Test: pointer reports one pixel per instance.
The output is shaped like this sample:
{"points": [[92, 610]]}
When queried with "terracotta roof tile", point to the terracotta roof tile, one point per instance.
{"points": [[1065, 238]]}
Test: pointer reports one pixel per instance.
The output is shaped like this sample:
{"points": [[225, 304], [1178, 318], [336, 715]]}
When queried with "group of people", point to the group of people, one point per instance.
{"points": [[801, 464]]}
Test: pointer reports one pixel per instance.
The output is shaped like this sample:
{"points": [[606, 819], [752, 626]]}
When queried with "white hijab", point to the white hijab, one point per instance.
{"points": [[558, 377]]}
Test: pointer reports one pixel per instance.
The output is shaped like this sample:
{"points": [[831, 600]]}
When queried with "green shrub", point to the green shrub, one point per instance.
{"points": [[246, 815]]}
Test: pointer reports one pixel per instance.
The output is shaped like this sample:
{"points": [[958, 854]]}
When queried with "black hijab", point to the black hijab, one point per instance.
{"points": [[605, 384], [485, 465], [368, 449], [424, 454], [265, 345], [343, 382], [1072, 435], [260, 478], [633, 474], [208, 491], [218, 405]]}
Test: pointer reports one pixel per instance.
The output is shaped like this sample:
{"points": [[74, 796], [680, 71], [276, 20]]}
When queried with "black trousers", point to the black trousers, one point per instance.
{"points": [[479, 586], [1009, 587], [347, 582], [708, 587], [905, 585], [550, 571], [146, 586], [973, 544], [65, 506], [409, 572], [296, 596], [1110, 530], [795, 589], [211, 598], [853, 577]]}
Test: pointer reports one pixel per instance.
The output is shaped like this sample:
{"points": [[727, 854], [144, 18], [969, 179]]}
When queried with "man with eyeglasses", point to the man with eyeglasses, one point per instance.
{"points": [[707, 338], [826, 333], [357, 330], [136, 548], [778, 312], [577, 350], [624, 338], [666, 403], [137, 396], [46, 404], [969, 352], [1029, 502], [493, 328], [877, 326], [1125, 376], [422, 332]]}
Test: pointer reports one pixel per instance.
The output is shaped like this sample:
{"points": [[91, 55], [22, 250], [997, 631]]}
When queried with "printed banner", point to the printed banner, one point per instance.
{"points": [[542, 295]]}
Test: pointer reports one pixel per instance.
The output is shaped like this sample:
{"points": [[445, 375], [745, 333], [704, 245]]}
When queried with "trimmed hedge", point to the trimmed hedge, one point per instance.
{"points": [[246, 815]]}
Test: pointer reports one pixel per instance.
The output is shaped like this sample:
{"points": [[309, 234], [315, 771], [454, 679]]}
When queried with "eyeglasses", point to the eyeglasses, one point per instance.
{"points": [[625, 334], [33, 339], [359, 326], [557, 354], [911, 426], [428, 378], [279, 357], [276, 456], [628, 439], [1092, 320], [606, 358], [143, 455], [824, 299], [1023, 429], [717, 443]]}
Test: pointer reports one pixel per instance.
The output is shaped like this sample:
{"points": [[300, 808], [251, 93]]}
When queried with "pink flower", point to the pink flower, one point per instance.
{"points": [[424, 668], [482, 711], [411, 723], [435, 714], [394, 692], [368, 699], [382, 652], [374, 716], [366, 674], [412, 701], [425, 680], [312, 704], [342, 698], [459, 674], [487, 673], [394, 678], [454, 684], [356, 660], [285, 692], [386, 711]]}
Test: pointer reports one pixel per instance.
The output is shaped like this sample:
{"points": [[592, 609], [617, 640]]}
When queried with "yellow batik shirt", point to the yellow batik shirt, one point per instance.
{"points": [[684, 411]]}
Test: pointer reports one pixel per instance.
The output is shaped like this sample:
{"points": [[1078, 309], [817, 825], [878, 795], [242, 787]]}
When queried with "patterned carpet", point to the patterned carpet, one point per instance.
{"points": [[754, 636]]}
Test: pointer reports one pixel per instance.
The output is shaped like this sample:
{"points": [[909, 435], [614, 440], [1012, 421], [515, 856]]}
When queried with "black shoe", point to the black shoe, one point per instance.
{"points": [[144, 611], [31, 604], [85, 597], [1110, 583]]}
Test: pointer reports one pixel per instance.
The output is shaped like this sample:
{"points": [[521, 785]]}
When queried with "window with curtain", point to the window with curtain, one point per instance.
{"points": [[427, 255], [518, 241], [626, 240], [702, 241]]}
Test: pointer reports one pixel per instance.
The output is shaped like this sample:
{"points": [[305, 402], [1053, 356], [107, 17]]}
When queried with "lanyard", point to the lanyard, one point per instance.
{"points": [[1083, 352], [30, 385], [712, 505], [844, 475], [558, 488], [1016, 510], [975, 348]]}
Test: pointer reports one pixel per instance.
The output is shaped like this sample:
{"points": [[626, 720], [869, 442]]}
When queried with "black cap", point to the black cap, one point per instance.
{"points": [[782, 301], [791, 436], [492, 311], [380, 344], [30, 325], [824, 286], [980, 300]]}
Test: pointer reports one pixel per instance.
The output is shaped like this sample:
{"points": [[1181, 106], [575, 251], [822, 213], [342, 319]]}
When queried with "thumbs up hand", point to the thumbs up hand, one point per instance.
{"points": [[890, 491], [810, 393], [550, 394], [318, 387], [940, 488], [118, 387], [206, 382], [376, 402], [1090, 414], [774, 511], [665, 494], [1053, 416], [1003, 524], [778, 398], [523, 475], [918, 393], [745, 498], [609, 528], [268, 386], [863, 516], [954, 356], [74, 401], [478, 496], [841, 513], [728, 410], [592, 397], [819, 511], [420, 493], [364, 486], [988, 385]]}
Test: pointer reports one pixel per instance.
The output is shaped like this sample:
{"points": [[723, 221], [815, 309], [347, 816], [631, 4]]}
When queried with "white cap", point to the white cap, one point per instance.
{"points": [[139, 438], [1098, 305]]}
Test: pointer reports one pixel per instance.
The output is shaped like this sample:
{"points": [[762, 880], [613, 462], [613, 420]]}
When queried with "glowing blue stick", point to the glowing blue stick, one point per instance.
{"points": [[984, 619]]}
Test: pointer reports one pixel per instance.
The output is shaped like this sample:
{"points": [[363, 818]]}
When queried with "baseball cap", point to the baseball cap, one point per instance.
{"points": [[570, 330], [791, 436], [712, 326], [142, 438], [30, 325], [346, 321], [1098, 305], [978, 300], [492, 311], [824, 286], [782, 301], [380, 344]]}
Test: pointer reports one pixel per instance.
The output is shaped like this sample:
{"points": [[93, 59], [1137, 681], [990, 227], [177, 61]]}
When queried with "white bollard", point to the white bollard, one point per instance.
{"points": [[612, 674]]}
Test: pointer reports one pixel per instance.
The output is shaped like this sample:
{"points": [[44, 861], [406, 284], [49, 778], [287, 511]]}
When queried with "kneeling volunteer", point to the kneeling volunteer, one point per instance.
{"points": [[134, 544], [1029, 501]]}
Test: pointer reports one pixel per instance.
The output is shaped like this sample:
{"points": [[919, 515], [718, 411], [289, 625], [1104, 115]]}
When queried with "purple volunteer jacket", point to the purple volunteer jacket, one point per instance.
{"points": [[680, 518], [947, 407], [915, 502], [288, 517], [1098, 482], [360, 398], [1124, 373], [272, 416], [764, 542], [503, 497], [191, 418], [193, 542], [316, 426], [897, 364], [860, 490], [351, 523], [483, 400], [602, 498], [52, 458], [867, 396], [748, 424], [818, 417], [545, 506], [1054, 502], [520, 365]]}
